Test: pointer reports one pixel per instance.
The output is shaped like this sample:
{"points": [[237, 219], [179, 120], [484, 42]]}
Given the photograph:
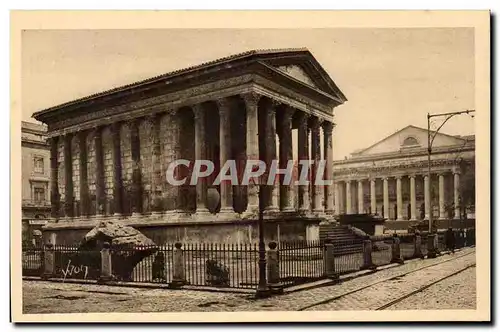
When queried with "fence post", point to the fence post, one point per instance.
{"points": [[273, 269], [48, 261], [432, 245], [417, 241], [396, 250], [179, 274], [367, 255], [330, 260], [106, 267]]}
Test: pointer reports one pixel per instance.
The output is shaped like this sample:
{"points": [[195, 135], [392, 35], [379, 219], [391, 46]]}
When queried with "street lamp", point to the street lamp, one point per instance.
{"points": [[262, 288], [430, 139]]}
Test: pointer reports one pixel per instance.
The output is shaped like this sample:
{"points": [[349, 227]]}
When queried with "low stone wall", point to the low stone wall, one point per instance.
{"points": [[238, 231]]}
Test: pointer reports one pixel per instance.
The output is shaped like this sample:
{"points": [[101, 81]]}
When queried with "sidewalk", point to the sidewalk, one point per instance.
{"points": [[49, 297]]}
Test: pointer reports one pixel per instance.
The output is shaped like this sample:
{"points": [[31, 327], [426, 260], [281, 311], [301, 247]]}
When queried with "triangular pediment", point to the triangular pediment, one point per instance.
{"points": [[410, 137], [298, 73]]}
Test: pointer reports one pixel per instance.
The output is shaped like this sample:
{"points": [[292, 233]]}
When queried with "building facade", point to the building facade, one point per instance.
{"points": [[109, 152], [390, 178], [35, 177]]}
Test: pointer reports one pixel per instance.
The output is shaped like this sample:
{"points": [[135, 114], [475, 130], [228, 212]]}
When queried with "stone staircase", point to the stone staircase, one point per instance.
{"points": [[346, 240]]}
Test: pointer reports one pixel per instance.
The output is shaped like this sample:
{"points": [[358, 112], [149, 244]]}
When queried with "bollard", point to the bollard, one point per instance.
{"points": [[273, 269], [417, 241], [106, 266], [432, 245], [48, 261], [329, 260], [396, 250], [367, 255], [179, 273]]}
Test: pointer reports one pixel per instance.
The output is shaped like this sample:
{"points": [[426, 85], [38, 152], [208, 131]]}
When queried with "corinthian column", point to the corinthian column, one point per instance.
{"points": [[386, 198], [135, 146], [441, 197], [68, 176], [361, 205], [348, 197], [337, 198], [156, 177], [55, 199], [117, 169], [303, 154], [328, 152], [286, 155], [399, 198], [456, 193], [316, 154], [270, 137], [251, 103], [373, 196], [200, 154], [413, 198], [226, 192], [84, 184], [427, 198]]}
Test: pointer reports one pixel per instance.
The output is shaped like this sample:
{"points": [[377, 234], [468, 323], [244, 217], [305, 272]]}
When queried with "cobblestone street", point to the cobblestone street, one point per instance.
{"points": [[366, 292]]}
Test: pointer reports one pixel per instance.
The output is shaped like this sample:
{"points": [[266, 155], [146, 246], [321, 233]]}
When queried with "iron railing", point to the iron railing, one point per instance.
{"points": [[228, 265]]}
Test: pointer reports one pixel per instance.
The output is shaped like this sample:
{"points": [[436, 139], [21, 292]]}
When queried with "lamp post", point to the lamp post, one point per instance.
{"points": [[430, 139], [262, 288]]}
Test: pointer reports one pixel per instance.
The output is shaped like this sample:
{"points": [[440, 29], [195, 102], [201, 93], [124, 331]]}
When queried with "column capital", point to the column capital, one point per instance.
{"points": [[302, 117], [328, 126], [412, 176], [314, 122], [251, 98], [223, 104], [288, 112], [197, 110], [116, 127], [82, 134], [398, 177], [69, 136]]}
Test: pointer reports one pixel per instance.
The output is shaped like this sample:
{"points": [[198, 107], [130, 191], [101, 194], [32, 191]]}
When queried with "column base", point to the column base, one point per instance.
{"points": [[288, 209], [271, 209], [156, 213], [202, 211], [304, 209], [228, 214]]}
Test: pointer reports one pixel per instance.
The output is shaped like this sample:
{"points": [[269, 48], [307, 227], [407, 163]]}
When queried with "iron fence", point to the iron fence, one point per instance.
{"points": [[348, 255], [301, 261], [32, 261], [382, 249], [228, 265], [221, 265]]}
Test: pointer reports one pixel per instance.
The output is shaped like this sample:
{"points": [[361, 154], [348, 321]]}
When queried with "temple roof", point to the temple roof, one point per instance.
{"points": [[273, 57]]}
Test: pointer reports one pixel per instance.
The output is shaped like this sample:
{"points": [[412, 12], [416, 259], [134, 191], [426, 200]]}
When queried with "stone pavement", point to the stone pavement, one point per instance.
{"points": [[49, 297]]}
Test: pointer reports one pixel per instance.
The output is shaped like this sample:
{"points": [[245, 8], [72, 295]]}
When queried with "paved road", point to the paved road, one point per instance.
{"points": [[456, 292]]}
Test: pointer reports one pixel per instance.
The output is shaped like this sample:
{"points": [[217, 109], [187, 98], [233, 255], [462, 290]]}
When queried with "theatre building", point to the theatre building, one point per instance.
{"points": [[110, 151], [390, 179]]}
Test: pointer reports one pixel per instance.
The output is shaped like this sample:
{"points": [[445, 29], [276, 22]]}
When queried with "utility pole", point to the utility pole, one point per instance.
{"points": [[432, 238]]}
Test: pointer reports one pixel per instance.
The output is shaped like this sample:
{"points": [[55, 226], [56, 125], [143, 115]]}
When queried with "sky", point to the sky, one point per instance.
{"points": [[391, 77]]}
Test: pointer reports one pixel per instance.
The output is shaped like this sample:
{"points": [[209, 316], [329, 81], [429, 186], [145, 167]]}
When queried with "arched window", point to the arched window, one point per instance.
{"points": [[410, 141]]}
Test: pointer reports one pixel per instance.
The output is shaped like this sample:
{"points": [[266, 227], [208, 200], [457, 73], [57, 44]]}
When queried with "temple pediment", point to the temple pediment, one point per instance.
{"points": [[408, 138], [298, 73]]}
